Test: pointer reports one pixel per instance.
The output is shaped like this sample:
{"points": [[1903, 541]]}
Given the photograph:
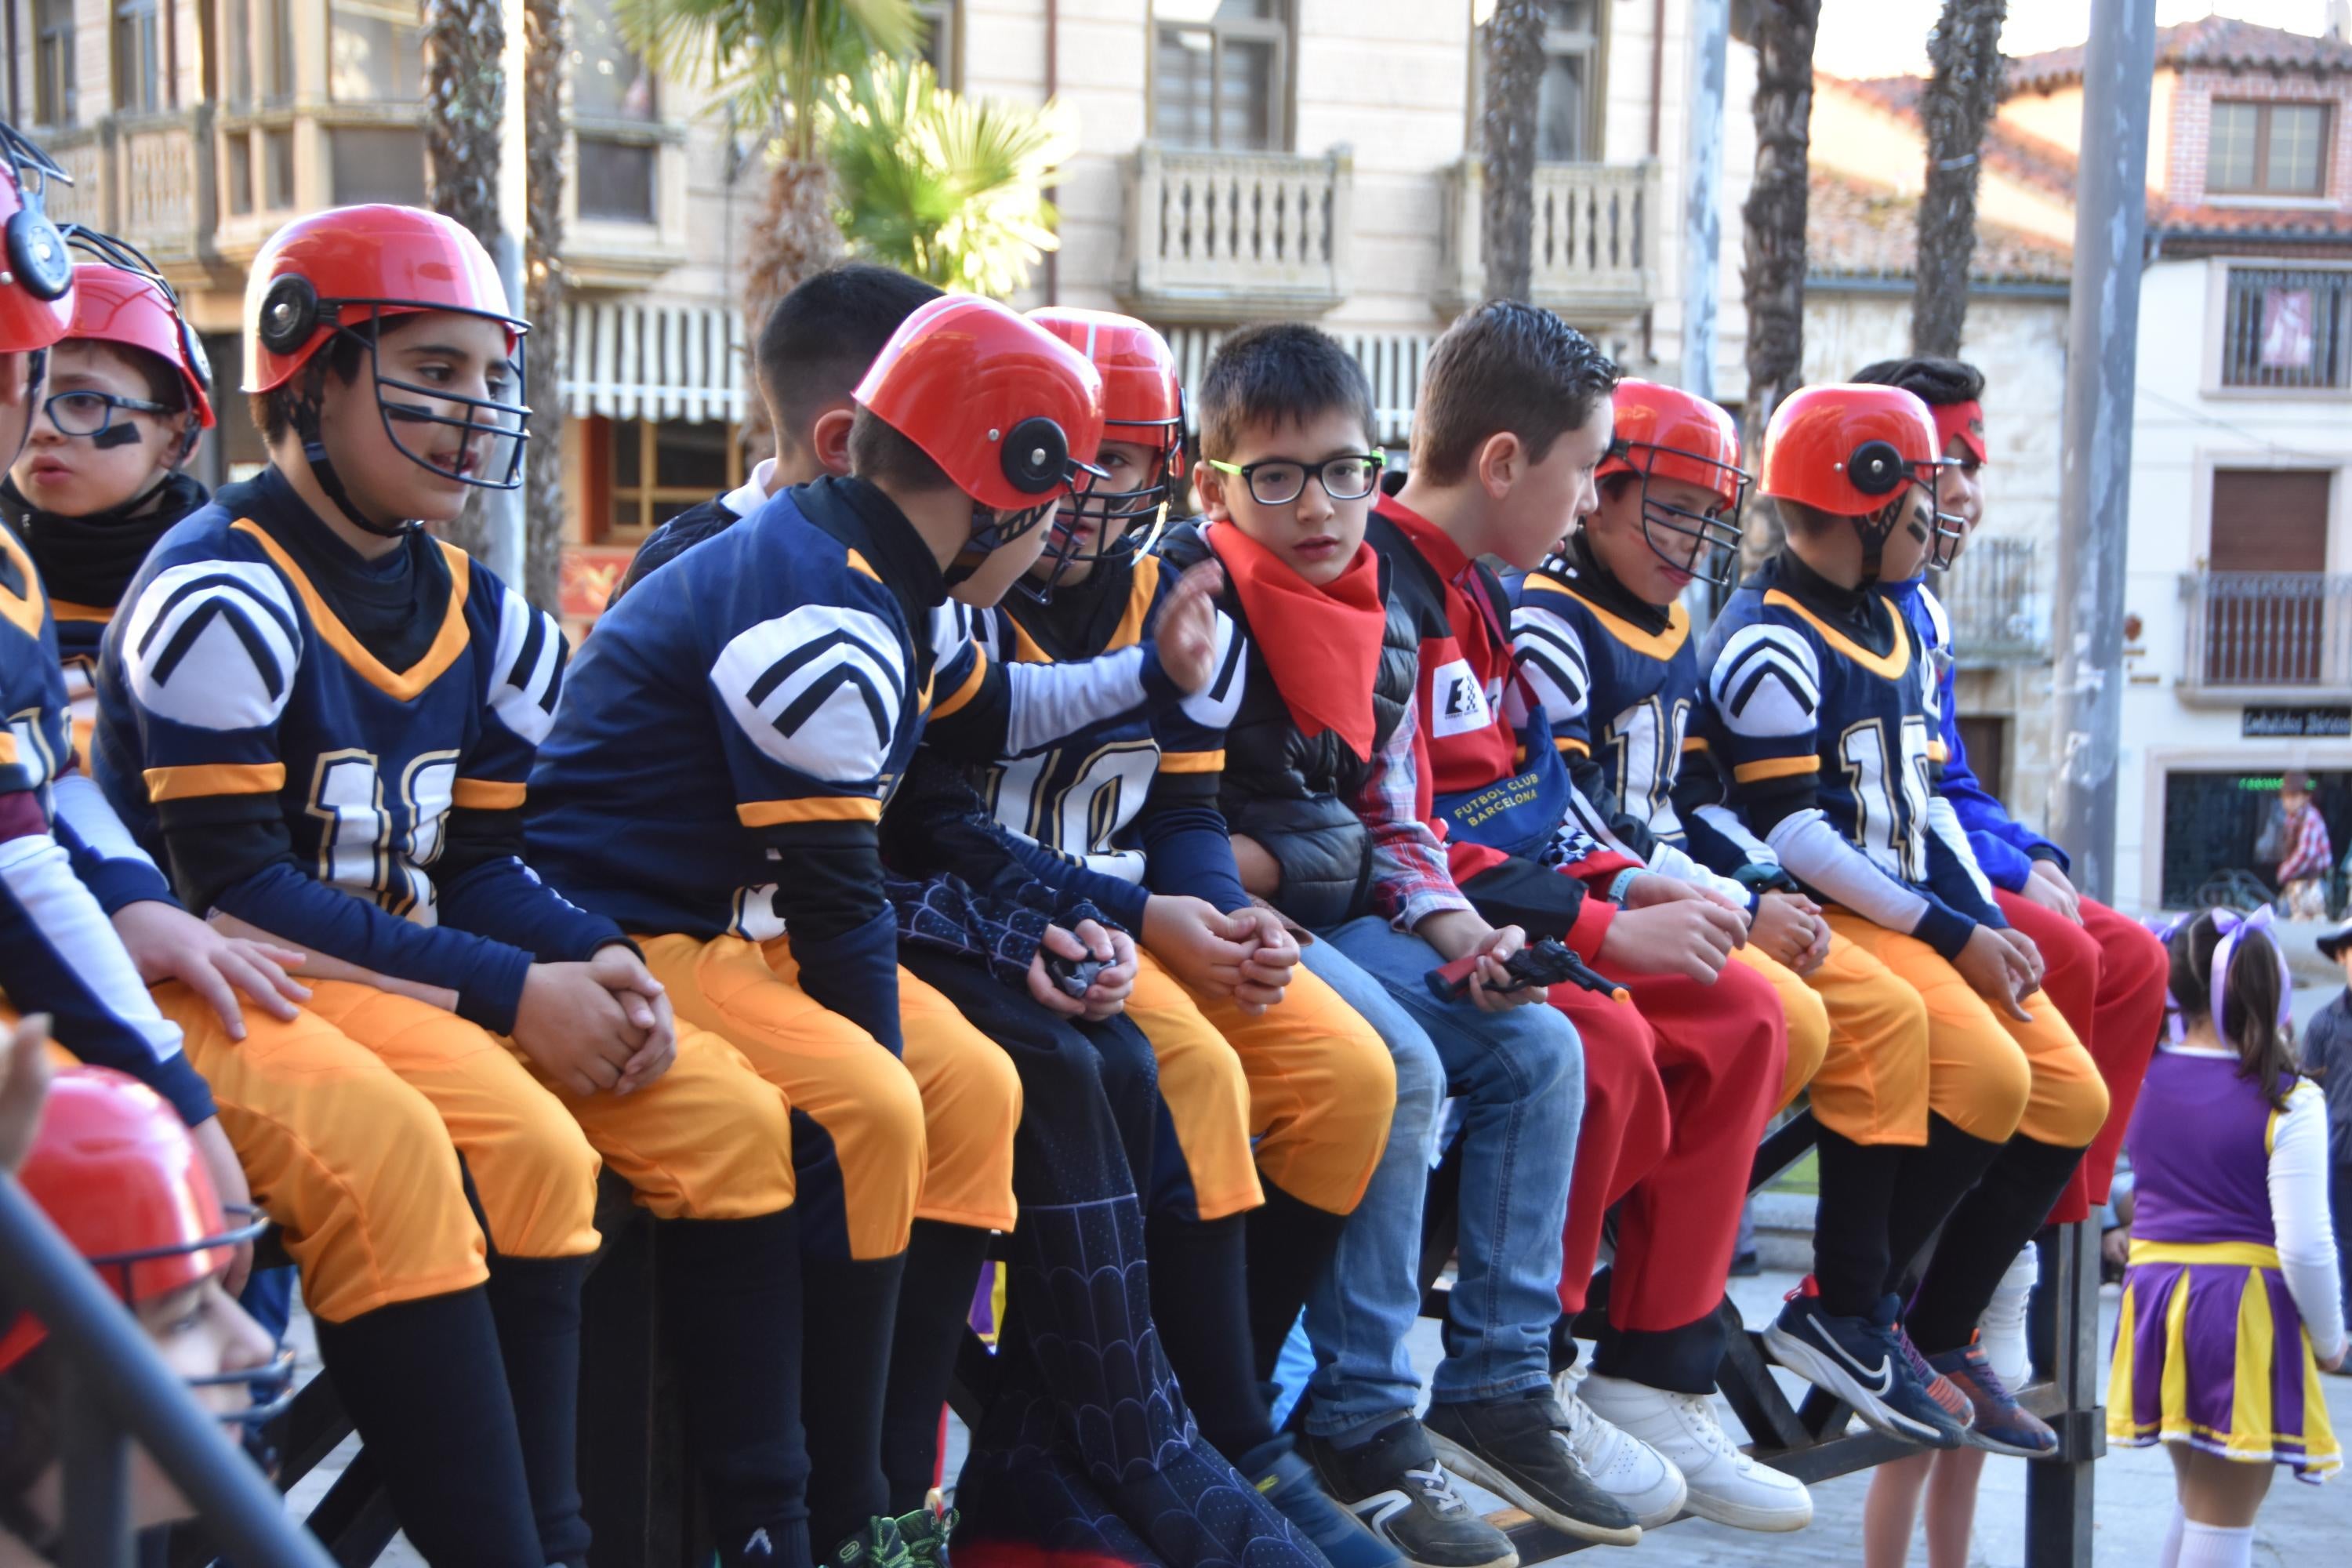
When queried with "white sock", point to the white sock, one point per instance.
{"points": [[2168, 1554], [2003, 1323], [2216, 1546]]}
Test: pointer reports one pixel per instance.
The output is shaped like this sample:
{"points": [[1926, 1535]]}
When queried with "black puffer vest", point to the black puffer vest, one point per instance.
{"points": [[1295, 796]]}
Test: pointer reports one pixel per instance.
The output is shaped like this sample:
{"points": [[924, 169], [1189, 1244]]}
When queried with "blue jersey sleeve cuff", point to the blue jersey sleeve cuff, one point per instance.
{"points": [[177, 1081], [1945, 930], [855, 975], [117, 884], [493, 996]]}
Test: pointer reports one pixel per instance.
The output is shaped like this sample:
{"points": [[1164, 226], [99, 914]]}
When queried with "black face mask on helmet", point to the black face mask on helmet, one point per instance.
{"points": [[1139, 514], [1035, 456], [1704, 543], [292, 311]]}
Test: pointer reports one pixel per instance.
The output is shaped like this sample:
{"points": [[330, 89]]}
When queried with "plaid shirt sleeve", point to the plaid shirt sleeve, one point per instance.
{"points": [[1410, 879], [2314, 855]]}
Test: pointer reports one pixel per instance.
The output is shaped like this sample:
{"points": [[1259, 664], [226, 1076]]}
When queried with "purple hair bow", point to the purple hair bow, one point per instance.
{"points": [[2232, 926]]}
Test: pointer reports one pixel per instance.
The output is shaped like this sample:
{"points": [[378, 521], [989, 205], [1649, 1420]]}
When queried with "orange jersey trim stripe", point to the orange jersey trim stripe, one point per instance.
{"points": [[1775, 768], [815, 808], [1192, 761], [402, 685], [215, 778], [65, 611], [964, 693], [488, 794]]}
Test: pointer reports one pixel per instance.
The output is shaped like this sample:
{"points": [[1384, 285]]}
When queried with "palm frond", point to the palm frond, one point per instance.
{"points": [[946, 187], [762, 57]]}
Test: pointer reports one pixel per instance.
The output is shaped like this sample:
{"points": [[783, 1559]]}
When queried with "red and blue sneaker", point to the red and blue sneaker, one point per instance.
{"points": [[2001, 1424]]}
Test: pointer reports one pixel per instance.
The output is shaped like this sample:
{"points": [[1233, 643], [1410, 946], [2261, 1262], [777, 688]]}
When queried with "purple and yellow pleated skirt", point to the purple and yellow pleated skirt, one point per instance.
{"points": [[2211, 1351]]}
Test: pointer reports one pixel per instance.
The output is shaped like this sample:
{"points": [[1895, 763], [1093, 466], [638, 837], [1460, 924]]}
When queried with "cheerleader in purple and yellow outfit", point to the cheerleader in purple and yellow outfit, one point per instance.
{"points": [[2230, 1304]]}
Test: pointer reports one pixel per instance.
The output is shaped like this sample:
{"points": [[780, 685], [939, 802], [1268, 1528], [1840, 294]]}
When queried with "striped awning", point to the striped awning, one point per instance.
{"points": [[636, 360]]}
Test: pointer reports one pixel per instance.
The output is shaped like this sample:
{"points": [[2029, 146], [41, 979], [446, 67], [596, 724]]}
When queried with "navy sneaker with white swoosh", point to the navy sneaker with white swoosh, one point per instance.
{"points": [[1860, 1361]]}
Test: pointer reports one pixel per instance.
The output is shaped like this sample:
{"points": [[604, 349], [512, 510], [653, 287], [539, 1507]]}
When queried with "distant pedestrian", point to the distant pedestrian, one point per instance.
{"points": [[2232, 1297], [2327, 1057], [2308, 859]]}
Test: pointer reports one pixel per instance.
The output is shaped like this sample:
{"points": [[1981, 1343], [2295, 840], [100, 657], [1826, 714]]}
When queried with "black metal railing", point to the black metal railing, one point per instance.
{"points": [[2288, 327], [2279, 629], [120, 1391], [1994, 595]]}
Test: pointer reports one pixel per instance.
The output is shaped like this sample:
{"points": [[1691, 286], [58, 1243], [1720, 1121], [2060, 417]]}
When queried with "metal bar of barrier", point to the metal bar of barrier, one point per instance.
{"points": [[117, 1371], [98, 1523], [2059, 1490]]}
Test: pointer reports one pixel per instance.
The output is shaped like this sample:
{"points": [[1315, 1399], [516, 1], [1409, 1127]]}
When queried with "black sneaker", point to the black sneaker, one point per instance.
{"points": [[1861, 1362], [1394, 1485], [1519, 1448]]}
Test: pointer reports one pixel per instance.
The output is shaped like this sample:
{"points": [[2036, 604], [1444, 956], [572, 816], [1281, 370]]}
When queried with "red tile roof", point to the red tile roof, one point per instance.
{"points": [[2034, 160], [2218, 41], [1854, 231]]}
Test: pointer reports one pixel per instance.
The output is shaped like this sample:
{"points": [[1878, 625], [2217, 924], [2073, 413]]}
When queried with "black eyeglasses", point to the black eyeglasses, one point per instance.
{"points": [[92, 412], [1278, 481]]}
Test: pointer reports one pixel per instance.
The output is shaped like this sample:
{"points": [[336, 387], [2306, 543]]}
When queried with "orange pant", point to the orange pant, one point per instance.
{"points": [[1677, 1089], [351, 1119], [2107, 977], [1988, 1074], [929, 1136], [1307, 1082], [1808, 1021]]}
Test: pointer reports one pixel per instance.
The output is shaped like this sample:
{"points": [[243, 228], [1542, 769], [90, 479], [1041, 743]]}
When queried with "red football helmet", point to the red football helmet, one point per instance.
{"points": [[1010, 413], [1143, 404], [1852, 450], [115, 304], [346, 271], [1665, 433], [36, 304], [115, 1170]]}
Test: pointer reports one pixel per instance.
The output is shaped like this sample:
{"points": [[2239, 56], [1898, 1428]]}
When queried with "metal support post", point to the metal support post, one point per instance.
{"points": [[98, 1523], [1711, 31], [2094, 497], [502, 510], [2058, 1491]]}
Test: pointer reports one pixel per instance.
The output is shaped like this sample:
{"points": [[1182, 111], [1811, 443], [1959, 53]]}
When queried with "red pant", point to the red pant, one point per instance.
{"points": [[2107, 977], [1677, 1089]]}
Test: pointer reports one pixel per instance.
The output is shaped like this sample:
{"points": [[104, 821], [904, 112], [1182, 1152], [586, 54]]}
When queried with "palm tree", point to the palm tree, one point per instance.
{"points": [[465, 94], [547, 40], [942, 186], [1958, 104], [1774, 276], [776, 63], [1513, 77]]}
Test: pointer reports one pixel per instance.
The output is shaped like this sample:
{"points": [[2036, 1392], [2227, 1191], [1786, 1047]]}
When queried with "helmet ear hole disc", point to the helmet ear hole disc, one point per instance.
{"points": [[289, 313], [1875, 468], [37, 255], [1035, 455]]}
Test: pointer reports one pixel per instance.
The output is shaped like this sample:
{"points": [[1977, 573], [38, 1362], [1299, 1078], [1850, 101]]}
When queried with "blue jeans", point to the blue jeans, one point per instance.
{"points": [[1520, 1076]]}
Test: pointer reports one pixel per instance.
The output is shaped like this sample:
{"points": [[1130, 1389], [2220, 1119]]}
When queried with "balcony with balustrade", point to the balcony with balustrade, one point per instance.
{"points": [[1596, 239], [1214, 235], [147, 178], [2266, 635]]}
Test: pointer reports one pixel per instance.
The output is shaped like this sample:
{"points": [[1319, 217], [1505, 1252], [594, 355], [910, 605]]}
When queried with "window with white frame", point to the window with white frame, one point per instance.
{"points": [[1568, 91], [1220, 74], [614, 109], [141, 80], [54, 94], [375, 51], [938, 47]]}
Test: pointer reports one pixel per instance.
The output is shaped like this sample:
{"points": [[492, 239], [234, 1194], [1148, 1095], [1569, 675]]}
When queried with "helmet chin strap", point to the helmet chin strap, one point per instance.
{"points": [[331, 483]]}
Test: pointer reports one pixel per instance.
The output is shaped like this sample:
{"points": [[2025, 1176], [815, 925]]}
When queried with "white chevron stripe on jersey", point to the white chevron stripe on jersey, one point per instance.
{"points": [[951, 626], [1215, 706], [213, 643], [1552, 655], [1766, 682], [819, 690], [526, 673]]}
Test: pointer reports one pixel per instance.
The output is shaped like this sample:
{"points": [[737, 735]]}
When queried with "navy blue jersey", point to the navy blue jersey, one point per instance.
{"points": [[768, 678], [39, 741], [1818, 704], [1623, 694], [291, 722], [1085, 795]]}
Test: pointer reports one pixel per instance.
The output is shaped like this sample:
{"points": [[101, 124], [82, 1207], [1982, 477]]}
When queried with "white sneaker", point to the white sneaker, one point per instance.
{"points": [[1620, 1464], [1726, 1485]]}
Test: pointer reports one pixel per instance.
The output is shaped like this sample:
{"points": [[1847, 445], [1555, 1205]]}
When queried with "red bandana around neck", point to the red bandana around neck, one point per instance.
{"points": [[1965, 420], [1321, 645]]}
